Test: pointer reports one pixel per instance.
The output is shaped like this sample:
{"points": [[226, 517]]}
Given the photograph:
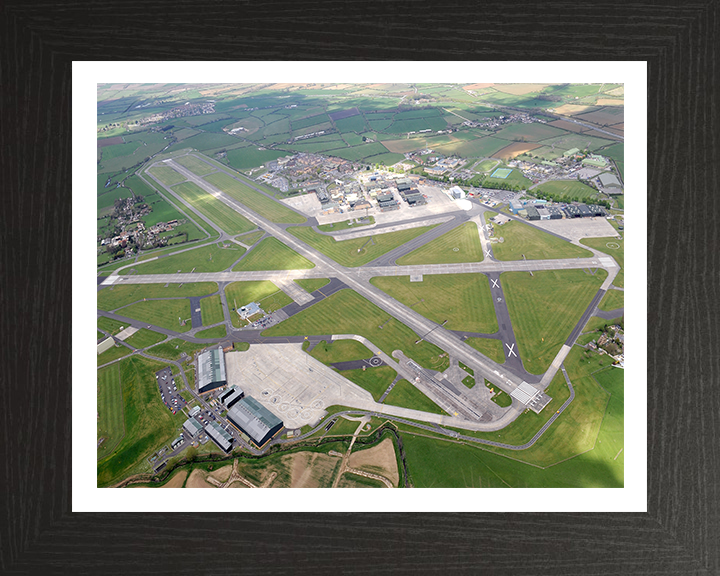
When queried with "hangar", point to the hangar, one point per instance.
{"points": [[252, 418], [211, 370]]}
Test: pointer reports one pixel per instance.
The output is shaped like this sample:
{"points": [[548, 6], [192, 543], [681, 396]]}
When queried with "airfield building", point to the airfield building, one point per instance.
{"points": [[610, 183], [254, 420], [532, 212], [515, 206], [192, 427], [231, 396], [571, 152], [457, 192], [211, 370], [220, 436]]}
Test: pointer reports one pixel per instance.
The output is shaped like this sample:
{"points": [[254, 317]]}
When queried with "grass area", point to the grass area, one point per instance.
{"points": [[340, 351], [544, 308], [343, 427], [211, 310], [357, 251], [173, 349], [487, 165], [374, 380], [463, 300], [194, 164], [469, 381], [461, 244], [405, 395], [608, 246], [500, 398], [148, 423], [163, 313], [489, 347], [312, 284], [612, 300], [345, 224], [110, 424], [210, 258], [213, 209], [215, 332], [116, 296], [596, 323], [167, 175], [565, 190], [346, 312], [117, 351], [271, 254], [144, 338], [264, 292], [110, 325], [100, 335], [524, 239], [466, 368], [254, 200], [250, 238], [515, 178]]}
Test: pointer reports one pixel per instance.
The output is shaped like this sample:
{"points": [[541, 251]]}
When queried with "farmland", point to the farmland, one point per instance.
{"points": [[544, 308], [463, 300]]}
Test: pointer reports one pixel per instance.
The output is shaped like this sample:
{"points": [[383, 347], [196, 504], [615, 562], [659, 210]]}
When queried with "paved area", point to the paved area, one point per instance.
{"points": [[576, 228]]}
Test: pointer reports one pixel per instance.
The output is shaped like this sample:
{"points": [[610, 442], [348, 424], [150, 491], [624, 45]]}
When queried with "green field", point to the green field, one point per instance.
{"points": [[374, 380], [406, 395], [356, 251], [163, 313], [116, 296], [468, 381], [169, 351], [544, 308], [195, 165], [612, 300], [312, 284], [524, 239], [463, 300], [144, 338], [251, 238], [166, 175], [617, 153], [211, 310], [487, 165], [271, 254], [528, 132], [148, 423], [461, 244], [117, 351], [351, 124], [264, 292], [480, 148], [359, 152], [140, 147], [489, 347], [210, 258], [110, 423], [345, 224], [516, 178], [619, 201], [213, 209], [566, 190], [346, 312], [613, 247], [109, 325], [215, 332], [254, 200], [340, 351], [251, 157]]}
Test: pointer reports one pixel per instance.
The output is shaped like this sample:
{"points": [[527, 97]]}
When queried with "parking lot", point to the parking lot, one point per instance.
{"points": [[168, 390]]}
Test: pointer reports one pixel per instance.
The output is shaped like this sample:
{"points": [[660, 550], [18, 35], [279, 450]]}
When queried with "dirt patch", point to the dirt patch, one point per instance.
{"points": [[379, 459], [237, 484], [197, 480], [477, 86], [312, 470], [572, 109], [515, 150], [176, 481], [102, 142], [221, 474], [609, 102]]}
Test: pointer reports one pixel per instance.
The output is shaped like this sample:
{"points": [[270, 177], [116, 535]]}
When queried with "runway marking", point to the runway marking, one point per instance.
{"points": [[494, 283], [511, 352], [487, 252]]}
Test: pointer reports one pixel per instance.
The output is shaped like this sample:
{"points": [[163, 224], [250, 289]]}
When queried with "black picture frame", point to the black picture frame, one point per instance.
{"points": [[38, 532]]}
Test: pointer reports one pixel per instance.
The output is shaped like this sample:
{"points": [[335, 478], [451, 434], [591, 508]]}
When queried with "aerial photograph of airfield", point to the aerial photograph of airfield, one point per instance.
{"points": [[360, 285]]}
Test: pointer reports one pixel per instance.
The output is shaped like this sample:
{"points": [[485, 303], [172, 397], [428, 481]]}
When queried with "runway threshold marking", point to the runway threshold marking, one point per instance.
{"points": [[511, 351], [494, 283]]}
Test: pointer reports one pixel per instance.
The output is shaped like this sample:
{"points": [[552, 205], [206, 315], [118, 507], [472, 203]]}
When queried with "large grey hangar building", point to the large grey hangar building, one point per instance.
{"points": [[211, 370], [252, 418]]}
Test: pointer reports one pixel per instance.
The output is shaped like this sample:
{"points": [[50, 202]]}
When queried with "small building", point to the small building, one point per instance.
{"points": [[572, 211], [596, 210], [544, 214], [608, 180], [584, 211], [594, 160], [457, 192], [211, 370], [105, 345], [532, 213], [249, 310], [539, 202], [515, 206], [220, 436], [322, 196], [192, 427], [194, 411], [175, 443], [403, 184], [253, 419], [415, 199], [231, 396], [571, 152], [555, 212]]}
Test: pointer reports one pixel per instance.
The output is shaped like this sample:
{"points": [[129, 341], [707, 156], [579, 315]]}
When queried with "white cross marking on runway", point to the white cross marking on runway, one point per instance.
{"points": [[494, 282], [510, 350], [487, 252]]}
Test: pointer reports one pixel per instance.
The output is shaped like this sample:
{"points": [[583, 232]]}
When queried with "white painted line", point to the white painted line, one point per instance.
{"points": [[511, 352], [494, 283]]}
